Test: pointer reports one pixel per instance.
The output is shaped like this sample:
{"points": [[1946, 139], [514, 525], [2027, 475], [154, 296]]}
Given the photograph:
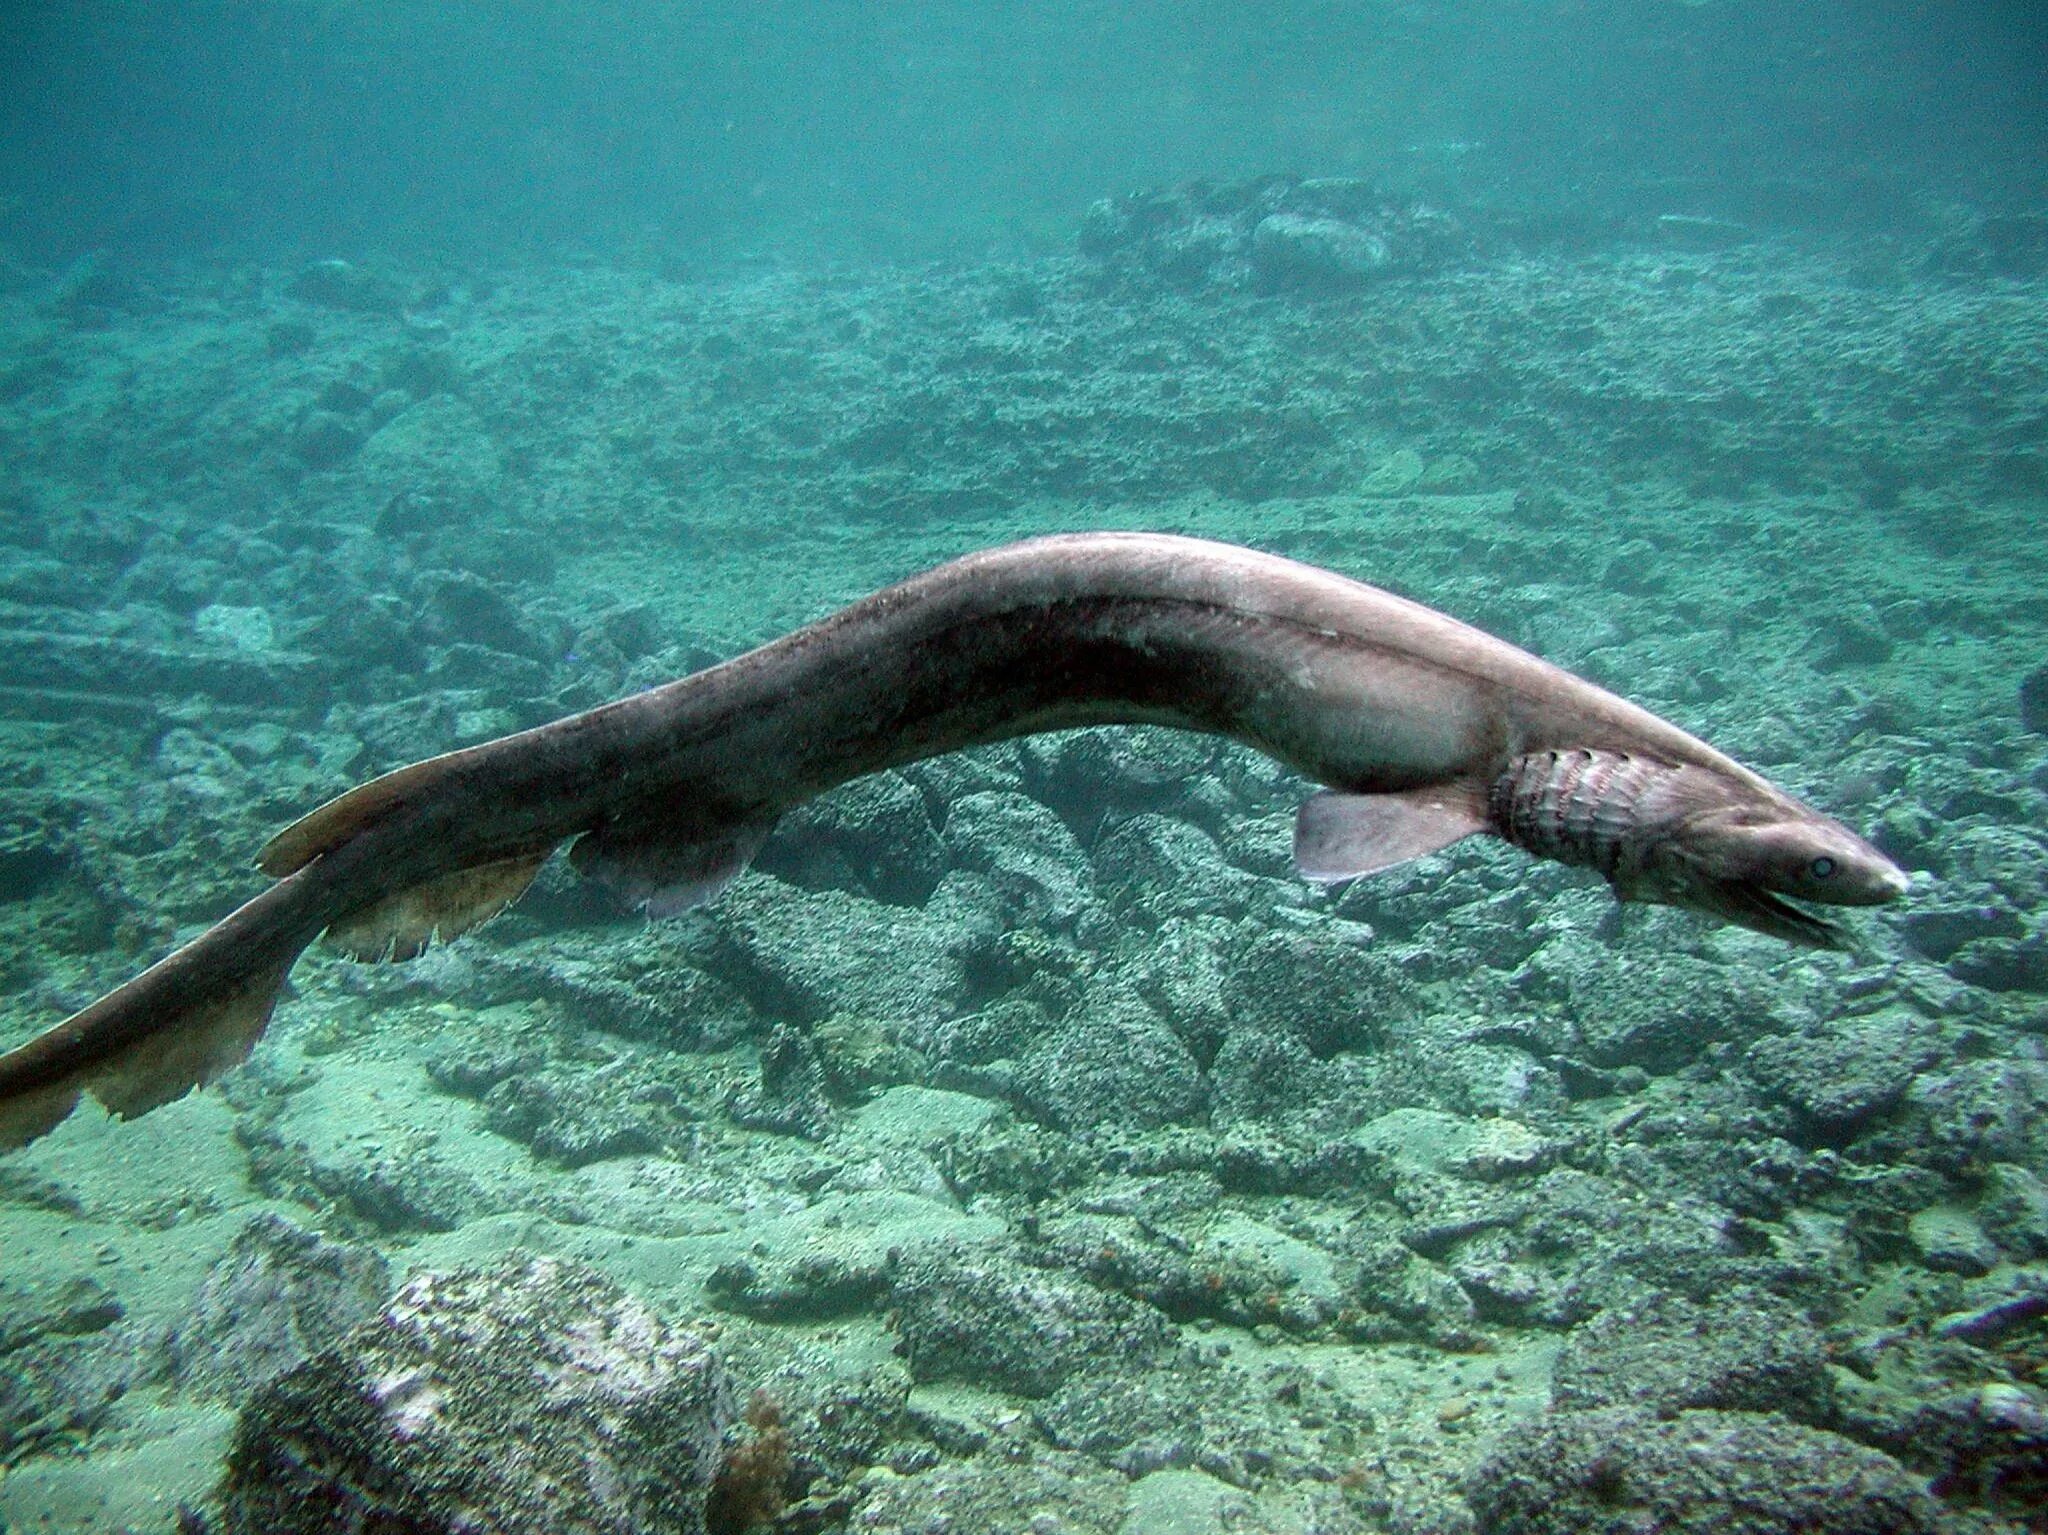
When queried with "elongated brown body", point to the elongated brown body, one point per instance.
{"points": [[1421, 725]]}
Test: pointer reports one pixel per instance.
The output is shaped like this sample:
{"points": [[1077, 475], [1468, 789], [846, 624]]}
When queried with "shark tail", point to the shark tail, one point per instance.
{"points": [[197, 1013], [182, 1022]]}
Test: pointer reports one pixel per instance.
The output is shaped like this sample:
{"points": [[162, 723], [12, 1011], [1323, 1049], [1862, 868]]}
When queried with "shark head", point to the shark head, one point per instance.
{"points": [[1747, 857], [1689, 834]]}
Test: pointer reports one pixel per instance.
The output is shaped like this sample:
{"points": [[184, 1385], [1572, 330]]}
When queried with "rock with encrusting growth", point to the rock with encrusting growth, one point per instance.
{"points": [[1839, 1080], [2004, 964], [567, 1117], [1989, 1446], [278, 1295], [987, 1318], [526, 1399], [1326, 988], [1156, 866], [1950, 1241], [337, 284], [804, 958], [1660, 1015], [2014, 1210], [1295, 250], [1980, 1112], [1937, 932], [789, 1097], [1621, 1472], [1274, 233], [2034, 700], [1751, 1352], [873, 837], [1032, 862], [1113, 1060], [66, 1356]]}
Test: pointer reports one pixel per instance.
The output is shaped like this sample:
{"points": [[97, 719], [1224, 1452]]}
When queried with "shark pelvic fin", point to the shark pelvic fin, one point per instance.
{"points": [[651, 866], [1340, 836]]}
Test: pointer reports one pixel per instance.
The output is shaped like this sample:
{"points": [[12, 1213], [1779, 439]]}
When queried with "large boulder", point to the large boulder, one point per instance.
{"points": [[1751, 1352], [277, 1296], [985, 1317], [525, 1399], [1623, 1472]]}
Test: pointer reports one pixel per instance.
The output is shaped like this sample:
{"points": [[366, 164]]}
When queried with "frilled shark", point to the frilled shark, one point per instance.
{"points": [[1421, 730]]}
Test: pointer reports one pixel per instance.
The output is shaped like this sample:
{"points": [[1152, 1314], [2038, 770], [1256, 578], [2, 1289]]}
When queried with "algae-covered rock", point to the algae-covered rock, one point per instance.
{"points": [[1623, 1472], [1181, 969], [1658, 1012], [1840, 1079], [67, 1355], [1938, 931], [790, 1093], [986, 1318], [1987, 1446], [808, 955], [527, 1399], [1111, 1060], [873, 836], [648, 982], [1950, 1241], [2004, 964], [1294, 250], [570, 1117], [2014, 1210], [1030, 860], [2034, 700], [277, 1296], [1981, 1112], [1751, 1353], [1051, 1491], [462, 607], [336, 284], [1257, 1077], [386, 1188], [1327, 988], [1088, 775], [1158, 866], [1325, 235]]}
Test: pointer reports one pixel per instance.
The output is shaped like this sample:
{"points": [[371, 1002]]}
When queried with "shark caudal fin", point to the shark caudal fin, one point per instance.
{"points": [[132, 1076], [194, 1015], [180, 1024], [191, 1017]]}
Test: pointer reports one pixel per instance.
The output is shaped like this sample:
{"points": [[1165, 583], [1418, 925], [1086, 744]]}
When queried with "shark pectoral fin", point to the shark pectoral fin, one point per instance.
{"points": [[1342, 836], [402, 925], [652, 867]]}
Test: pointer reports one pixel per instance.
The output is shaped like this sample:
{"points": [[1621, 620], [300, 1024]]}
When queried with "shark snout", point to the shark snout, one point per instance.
{"points": [[1862, 874]]}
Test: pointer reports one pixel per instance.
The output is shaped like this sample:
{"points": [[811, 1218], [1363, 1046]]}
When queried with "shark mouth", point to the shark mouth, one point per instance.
{"points": [[1766, 912]]}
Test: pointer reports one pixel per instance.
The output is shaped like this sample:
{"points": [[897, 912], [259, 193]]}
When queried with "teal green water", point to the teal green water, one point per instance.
{"points": [[1050, 1156]]}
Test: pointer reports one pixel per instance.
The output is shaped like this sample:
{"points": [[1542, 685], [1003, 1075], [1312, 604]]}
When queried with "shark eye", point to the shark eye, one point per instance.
{"points": [[1821, 867]]}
